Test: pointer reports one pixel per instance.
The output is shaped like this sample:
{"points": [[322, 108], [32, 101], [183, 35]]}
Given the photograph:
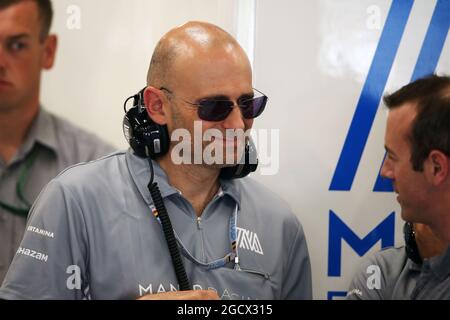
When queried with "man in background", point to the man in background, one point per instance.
{"points": [[34, 144]]}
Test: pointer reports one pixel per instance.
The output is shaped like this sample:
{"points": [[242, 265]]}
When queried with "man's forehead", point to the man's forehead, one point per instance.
{"points": [[404, 114], [213, 67], [400, 121], [20, 18]]}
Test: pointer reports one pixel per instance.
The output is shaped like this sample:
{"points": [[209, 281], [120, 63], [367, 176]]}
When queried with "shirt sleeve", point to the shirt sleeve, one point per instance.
{"points": [[51, 260], [297, 284], [364, 283]]}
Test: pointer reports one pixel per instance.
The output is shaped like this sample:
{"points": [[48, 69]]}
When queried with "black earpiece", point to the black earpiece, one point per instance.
{"points": [[410, 243], [249, 165], [146, 138], [149, 139]]}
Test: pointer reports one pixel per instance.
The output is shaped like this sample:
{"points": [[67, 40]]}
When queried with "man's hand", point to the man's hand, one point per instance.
{"points": [[183, 295]]}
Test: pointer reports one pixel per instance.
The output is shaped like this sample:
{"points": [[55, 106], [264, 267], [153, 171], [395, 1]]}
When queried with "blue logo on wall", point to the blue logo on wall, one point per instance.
{"points": [[363, 119], [376, 82], [340, 231]]}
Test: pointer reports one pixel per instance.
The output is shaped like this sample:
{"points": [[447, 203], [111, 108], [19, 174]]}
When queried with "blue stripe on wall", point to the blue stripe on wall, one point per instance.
{"points": [[371, 95], [427, 62]]}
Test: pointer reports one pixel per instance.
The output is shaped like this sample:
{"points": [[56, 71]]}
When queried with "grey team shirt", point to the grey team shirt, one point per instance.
{"points": [[94, 220], [401, 278], [59, 145]]}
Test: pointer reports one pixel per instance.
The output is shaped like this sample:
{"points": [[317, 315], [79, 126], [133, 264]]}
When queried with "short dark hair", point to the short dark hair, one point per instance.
{"points": [[45, 13], [430, 129]]}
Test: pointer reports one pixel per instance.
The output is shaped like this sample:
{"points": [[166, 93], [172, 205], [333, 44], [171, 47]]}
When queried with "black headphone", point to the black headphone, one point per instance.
{"points": [[410, 243], [146, 138], [151, 140]]}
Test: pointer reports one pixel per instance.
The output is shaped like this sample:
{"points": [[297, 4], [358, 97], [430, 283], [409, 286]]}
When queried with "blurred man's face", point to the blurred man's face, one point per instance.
{"points": [[216, 74], [411, 186], [22, 55]]}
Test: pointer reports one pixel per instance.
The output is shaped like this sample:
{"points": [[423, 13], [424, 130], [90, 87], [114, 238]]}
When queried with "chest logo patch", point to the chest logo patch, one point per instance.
{"points": [[249, 240]]}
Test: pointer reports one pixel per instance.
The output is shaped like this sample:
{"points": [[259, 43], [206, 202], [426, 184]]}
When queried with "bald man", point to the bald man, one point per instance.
{"points": [[92, 233]]}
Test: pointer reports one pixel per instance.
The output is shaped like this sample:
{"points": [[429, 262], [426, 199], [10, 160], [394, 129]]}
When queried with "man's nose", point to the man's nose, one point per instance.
{"points": [[235, 119], [386, 169]]}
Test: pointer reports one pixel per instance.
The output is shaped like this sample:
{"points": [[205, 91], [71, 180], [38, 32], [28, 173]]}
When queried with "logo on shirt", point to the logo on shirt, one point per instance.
{"points": [[42, 232], [356, 292], [249, 240], [33, 254], [226, 294]]}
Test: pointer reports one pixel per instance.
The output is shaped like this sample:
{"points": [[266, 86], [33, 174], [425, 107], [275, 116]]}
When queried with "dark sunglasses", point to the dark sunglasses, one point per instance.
{"points": [[210, 109]]}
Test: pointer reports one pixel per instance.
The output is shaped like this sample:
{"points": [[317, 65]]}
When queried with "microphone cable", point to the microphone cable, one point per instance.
{"points": [[166, 224]]}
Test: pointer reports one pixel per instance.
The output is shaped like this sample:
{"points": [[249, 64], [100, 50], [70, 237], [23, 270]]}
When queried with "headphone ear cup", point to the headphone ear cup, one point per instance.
{"points": [[145, 137], [410, 243], [132, 131], [155, 139]]}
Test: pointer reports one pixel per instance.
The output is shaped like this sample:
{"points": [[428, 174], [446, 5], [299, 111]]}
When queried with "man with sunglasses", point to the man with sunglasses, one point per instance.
{"points": [[103, 234]]}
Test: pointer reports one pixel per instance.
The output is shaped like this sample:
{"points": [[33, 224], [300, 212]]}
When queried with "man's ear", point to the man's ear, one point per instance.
{"points": [[437, 167], [49, 54], [153, 100]]}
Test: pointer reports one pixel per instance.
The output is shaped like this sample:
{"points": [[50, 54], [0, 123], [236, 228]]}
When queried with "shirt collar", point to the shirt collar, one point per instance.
{"points": [[140, 172], [231, 188], [41, 131], [44, 130]]}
